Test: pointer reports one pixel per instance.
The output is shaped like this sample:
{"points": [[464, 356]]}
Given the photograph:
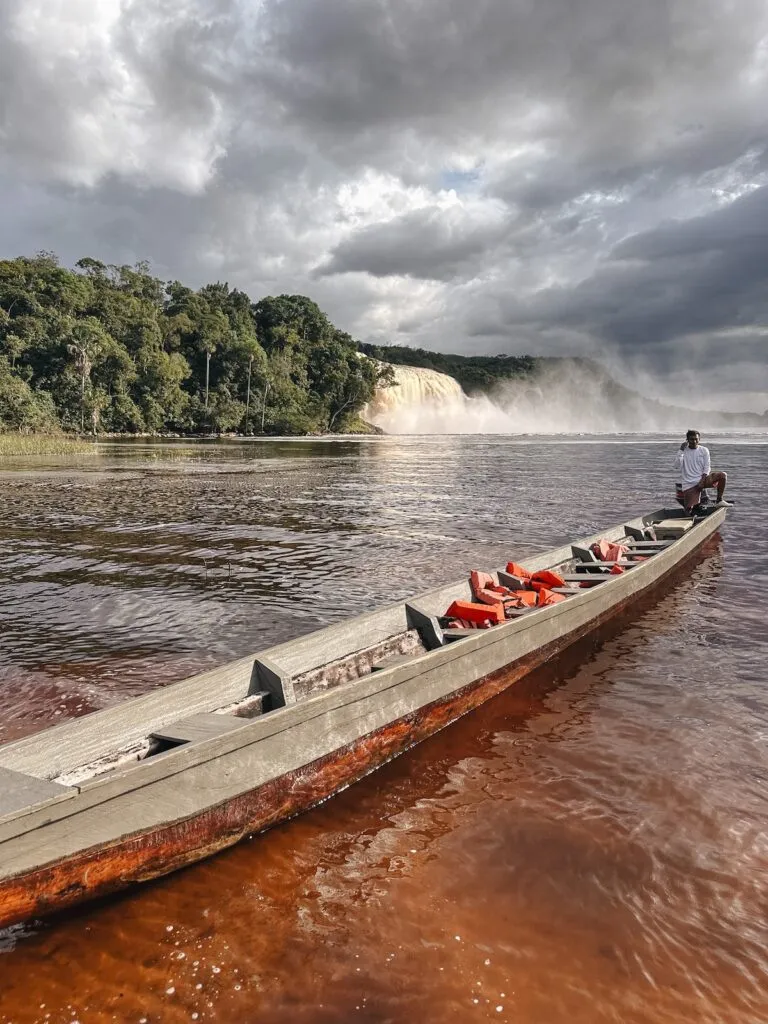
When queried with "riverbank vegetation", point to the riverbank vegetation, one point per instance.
{"points": [[112, 349], [16, 444]]}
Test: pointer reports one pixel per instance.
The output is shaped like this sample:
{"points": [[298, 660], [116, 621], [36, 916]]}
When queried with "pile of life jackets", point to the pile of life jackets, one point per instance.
{"points": [[607, 551], [494, 603]]}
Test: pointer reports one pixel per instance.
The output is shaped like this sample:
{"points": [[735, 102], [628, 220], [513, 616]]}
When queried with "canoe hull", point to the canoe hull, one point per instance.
{"points": [[154, 852]]}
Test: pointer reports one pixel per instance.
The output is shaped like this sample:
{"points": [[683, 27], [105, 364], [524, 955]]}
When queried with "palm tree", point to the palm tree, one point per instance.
{"points": [[248, 392], [83, 364]]}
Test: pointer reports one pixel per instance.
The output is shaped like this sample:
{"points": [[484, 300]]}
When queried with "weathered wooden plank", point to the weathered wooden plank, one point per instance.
{"points": [[649, 544], [276, 681], [509, 581], [425, 624], [394, 662], [82, 740], [588, 577], [457, 633], [21, 794], [625, 562], [334, 642], [673, 528], [198, 727], [584, 554], [651, 518], [588, 557]]}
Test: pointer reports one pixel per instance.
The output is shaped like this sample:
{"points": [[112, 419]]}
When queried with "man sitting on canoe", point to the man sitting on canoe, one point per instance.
{"points": [[694, 473]]}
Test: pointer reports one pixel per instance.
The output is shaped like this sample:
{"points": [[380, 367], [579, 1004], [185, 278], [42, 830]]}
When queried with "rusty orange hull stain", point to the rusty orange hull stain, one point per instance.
{"points": [[103, 869]]}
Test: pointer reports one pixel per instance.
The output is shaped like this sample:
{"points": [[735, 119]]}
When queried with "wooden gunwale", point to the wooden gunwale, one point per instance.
{"points": [[366, 729]]}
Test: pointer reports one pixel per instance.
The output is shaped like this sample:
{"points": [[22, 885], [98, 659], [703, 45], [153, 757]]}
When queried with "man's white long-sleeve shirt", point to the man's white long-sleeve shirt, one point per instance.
{"points": [[691, 465]]}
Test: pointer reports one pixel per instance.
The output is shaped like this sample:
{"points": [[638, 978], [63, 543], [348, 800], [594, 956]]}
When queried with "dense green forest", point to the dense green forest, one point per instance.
{"points": [[474, 373], [103, 349]]}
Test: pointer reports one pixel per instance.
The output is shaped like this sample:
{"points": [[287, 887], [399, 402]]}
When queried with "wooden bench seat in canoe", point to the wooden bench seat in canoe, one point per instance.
{"points": [[625, 563], [588, 557], [198, 727], [641, 544], [21, 793], [587, 577]]}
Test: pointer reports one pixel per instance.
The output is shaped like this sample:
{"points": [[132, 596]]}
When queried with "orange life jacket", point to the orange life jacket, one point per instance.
{"points": [[480, 581], [546, 597], [472, 612], [485, 591], [607, 551], [545, 577], [517, 570]]}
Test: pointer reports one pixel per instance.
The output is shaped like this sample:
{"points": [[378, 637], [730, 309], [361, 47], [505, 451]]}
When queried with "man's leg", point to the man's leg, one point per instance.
{"points": [[691, 498], [718, 480]]}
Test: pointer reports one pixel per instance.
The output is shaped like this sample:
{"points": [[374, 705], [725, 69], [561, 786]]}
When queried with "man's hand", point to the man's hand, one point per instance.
{"points": [[703, 481], [683, 446]]}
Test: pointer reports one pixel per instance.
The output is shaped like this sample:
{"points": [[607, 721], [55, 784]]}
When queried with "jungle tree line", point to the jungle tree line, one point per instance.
{"points": [[474, 373], [107, 349]]}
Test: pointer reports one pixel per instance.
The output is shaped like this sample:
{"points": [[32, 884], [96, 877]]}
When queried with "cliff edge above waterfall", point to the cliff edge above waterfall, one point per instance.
{"points": [[474, 373]]}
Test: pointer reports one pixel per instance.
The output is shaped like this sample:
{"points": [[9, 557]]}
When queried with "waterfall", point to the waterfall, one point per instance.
{"points": [[425, 401], [414, 402], [564, 396]]}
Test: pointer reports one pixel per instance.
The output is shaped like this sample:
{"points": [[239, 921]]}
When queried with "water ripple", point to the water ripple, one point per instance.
{"points": [[590, 847]]}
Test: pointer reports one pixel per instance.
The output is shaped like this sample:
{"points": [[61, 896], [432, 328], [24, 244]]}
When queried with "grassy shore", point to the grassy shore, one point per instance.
{"points": [[42, 444]]}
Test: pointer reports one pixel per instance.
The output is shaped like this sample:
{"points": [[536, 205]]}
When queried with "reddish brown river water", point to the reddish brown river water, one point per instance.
{"points": [[591, 846]]}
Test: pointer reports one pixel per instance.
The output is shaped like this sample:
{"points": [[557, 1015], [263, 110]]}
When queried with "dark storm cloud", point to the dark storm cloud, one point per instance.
{"points": [[434, 244], [548, 176], [353, 65], [739, 229], [604, 93], [681, 278]]}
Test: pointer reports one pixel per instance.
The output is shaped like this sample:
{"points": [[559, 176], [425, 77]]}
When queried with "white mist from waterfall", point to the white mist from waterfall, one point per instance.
{"points": [[565, 397]]}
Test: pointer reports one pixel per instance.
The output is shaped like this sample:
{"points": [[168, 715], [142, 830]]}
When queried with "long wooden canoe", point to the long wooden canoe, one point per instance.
{"points": [[136, 791]]}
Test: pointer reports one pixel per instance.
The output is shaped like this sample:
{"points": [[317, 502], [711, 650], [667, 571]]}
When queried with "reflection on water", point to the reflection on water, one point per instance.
{"points": [[591, 846]]}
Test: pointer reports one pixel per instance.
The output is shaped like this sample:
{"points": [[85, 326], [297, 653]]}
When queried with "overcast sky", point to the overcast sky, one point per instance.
{"points": [[477, 176]]}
